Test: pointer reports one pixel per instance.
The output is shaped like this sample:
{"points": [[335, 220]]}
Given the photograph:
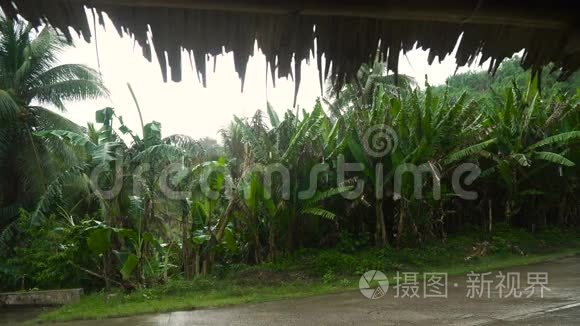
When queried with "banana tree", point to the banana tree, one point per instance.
{"points": [[212, 201], [292, 146], [102, 168], [527, 140], [412, 132]]}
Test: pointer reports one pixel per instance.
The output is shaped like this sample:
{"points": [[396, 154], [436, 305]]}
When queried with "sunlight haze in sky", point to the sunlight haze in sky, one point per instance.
{"points": [[189, 108]]}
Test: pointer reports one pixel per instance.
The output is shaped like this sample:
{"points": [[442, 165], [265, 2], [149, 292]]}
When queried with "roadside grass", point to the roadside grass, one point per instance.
{"points": [[98, 306], [317, 272]]}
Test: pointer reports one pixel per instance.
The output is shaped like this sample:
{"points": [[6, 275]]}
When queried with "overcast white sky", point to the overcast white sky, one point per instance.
{"points": [[189, 108]]}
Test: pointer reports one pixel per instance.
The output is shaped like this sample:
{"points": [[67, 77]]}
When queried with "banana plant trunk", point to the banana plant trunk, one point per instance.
{"points": [[258, 248], [197, 261], [401, 226], [186, 247], [381, 229], [272, 241], [210, 256]]}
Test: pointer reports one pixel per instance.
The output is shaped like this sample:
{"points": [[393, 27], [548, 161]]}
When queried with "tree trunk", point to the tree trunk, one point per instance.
{"points": [[105, 272], [205, 263], [148, 215], [197, 261], [401, 226], [490, 217], [108, 264], [508, 212], [258, 248], [290, 231], [272, 240], [381, 229], [186, 247]]}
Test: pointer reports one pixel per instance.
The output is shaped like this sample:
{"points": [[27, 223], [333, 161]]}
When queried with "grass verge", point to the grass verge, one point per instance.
{"points": [[316, 272]]}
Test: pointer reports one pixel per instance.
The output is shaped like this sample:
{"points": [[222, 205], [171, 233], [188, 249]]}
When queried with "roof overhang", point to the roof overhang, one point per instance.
{"points": [[347, 33]]}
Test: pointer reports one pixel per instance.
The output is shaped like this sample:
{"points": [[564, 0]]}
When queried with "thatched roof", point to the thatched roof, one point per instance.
{"points": [[346, 32]]}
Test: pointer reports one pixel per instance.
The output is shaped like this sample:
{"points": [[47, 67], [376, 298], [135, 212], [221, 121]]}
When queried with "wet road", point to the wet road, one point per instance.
{"points": [[559, 306], [568, 316], [13, 315]]}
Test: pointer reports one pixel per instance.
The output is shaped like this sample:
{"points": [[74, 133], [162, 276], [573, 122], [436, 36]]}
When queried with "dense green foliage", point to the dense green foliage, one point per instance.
{"points": [[112, 213], [29, 78], [483, 86], [322, 271]]}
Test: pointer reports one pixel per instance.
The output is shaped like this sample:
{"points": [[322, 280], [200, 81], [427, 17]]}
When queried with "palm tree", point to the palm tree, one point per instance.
{"points": [[30, 77]]}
